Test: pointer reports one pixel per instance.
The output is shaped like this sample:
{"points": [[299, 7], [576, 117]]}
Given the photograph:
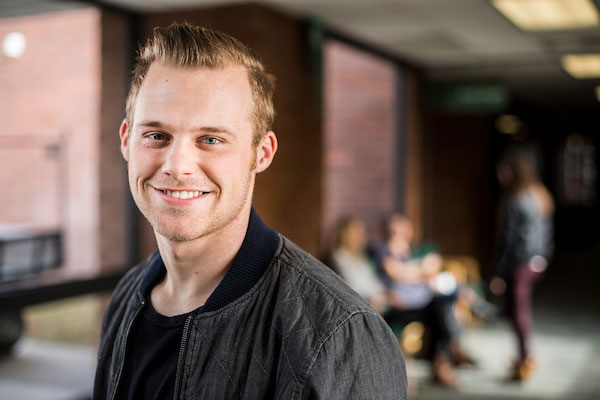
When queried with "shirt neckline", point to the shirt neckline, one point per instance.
{"points": [[248, 266]]}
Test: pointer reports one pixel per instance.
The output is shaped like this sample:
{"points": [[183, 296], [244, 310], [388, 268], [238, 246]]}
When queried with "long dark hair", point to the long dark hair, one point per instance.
{"points": [[524, 177]]}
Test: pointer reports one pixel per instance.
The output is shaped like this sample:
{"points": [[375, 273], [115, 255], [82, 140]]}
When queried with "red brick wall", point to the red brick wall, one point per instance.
{"points": [[52, 92], [359, 136], [53, 95]]}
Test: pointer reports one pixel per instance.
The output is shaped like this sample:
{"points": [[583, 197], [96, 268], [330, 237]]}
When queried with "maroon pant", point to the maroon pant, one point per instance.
{"points": [[518, 305]]}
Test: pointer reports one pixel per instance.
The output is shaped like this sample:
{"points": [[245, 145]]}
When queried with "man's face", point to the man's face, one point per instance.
{"points": [[189, 151]]}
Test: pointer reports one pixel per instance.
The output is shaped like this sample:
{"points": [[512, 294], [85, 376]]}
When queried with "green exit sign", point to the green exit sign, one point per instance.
{"points": [[467, 97]]}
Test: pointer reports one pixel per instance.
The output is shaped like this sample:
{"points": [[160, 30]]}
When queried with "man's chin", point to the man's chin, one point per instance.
{"points": [[177, 236]]}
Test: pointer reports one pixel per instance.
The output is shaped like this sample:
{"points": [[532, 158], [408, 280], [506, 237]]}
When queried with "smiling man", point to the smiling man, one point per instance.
{"points": [[227, 308]]}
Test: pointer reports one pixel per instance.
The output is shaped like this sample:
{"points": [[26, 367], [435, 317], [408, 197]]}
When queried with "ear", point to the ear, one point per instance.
{"points": [[265, 151], [124, 135]]}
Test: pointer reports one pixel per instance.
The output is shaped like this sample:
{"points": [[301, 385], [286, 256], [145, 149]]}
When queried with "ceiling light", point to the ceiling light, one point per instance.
{"points": [[542, 15], [582, 66], [13, 44]]}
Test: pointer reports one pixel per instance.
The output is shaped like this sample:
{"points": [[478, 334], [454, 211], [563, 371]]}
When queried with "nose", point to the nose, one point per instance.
{"points": [[180, 160]]}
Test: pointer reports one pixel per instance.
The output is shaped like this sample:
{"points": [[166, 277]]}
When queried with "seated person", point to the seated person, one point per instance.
{"points": [[351, 262], [420, 290]]}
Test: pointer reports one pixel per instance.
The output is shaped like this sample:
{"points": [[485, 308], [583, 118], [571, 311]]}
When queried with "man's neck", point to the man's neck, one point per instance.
{"points": [[195, 268]]}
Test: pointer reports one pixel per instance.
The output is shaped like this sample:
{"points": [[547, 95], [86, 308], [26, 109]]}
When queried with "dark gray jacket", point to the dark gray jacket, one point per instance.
{"points": [[523, 232], [298, 333]]}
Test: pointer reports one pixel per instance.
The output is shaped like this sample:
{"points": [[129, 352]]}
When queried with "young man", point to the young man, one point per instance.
{"points": [[226, 308]]}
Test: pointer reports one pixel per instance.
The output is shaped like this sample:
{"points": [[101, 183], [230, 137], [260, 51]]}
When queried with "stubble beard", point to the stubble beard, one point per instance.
{"points": [[215, 222]]}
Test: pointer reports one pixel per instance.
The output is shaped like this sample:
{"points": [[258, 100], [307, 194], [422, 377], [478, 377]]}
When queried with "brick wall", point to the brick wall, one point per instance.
{"points": [[360, 129], [59, 133], [50, 95]]}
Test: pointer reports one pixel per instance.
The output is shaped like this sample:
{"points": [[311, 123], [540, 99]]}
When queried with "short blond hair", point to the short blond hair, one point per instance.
{"points": [[186, 45]]}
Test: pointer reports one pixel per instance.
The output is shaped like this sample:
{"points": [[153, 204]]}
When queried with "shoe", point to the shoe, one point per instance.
{"points": [[443, 373], [522, 370]]}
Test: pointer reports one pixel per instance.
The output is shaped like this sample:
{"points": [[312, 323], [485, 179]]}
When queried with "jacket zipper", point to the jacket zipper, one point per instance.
{"points": [[119, 373], [181, 355]]}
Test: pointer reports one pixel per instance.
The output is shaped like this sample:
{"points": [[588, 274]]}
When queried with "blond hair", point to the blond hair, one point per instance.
{"points": [[186, 45]]}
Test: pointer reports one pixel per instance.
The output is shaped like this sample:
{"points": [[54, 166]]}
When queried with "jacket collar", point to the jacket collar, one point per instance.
{"points": [[248, 266]]}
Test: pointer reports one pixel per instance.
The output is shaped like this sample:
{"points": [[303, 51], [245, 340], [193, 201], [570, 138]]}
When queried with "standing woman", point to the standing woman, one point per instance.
{"points": [[524, 246]]}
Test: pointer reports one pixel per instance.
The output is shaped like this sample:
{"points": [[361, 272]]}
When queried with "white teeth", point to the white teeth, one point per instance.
{"points": [[183, 194]]}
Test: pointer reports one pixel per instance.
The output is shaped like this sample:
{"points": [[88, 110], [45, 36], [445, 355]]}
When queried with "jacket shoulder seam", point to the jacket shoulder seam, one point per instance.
{"points": [[298, 269]]}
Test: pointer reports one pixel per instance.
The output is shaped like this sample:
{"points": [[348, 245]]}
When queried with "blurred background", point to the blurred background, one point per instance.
{"points": [[382, 106]]}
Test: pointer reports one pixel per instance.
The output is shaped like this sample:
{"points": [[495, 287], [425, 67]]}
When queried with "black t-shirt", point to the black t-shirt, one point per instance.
{"points": [[151, 360], [153, 344]]}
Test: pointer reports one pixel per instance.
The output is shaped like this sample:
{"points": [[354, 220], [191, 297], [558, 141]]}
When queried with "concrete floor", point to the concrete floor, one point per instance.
{"points": [[38, 370], [567, 352]]}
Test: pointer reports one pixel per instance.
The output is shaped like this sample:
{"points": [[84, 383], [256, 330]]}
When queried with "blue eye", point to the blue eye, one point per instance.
{"points": [[157, 136], [210, 140]]}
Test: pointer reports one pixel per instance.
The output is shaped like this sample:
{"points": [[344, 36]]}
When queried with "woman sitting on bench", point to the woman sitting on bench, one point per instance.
{"points": [[420, 291]]}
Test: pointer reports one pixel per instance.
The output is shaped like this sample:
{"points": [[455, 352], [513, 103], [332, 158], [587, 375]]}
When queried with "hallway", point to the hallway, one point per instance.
{"points": [[566, 342]]}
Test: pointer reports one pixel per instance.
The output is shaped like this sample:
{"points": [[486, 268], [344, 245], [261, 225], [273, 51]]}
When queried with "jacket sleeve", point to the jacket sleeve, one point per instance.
{"points": [[361, 359]]}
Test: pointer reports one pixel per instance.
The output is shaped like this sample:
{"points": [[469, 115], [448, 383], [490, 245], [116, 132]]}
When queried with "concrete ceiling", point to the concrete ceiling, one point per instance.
{"points": [[459, 39]]}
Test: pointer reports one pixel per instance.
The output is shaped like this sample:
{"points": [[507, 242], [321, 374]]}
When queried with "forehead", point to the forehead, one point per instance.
{"points": [[356, 224], [187, 95], [400, 221]]}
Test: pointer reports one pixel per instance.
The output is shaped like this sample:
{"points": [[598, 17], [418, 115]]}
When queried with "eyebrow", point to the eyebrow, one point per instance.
{"points": [[207, 129]]}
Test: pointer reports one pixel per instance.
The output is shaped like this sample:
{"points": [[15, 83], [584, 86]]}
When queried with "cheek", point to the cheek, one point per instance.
{"points": [[143, 160], [235, 166], [142, 166]]}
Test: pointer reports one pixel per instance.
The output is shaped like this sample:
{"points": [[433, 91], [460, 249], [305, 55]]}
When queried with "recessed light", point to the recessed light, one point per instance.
{"points": [[542, 15], [582, 66]]}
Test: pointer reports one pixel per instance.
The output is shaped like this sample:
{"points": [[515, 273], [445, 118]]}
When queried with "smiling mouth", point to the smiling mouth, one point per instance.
{"points": [[182, 194]]}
